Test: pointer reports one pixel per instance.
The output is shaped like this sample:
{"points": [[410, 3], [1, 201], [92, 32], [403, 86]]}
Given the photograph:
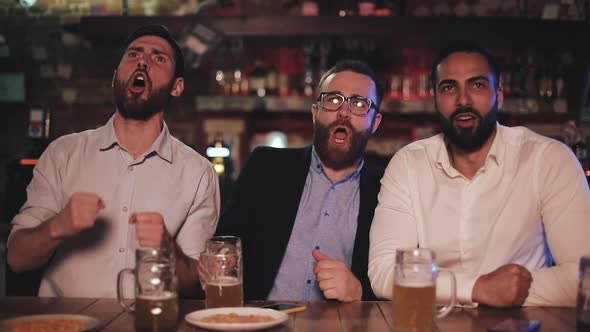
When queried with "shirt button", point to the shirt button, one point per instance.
{"points": [[308, 281], [121, 249], [124, 209], [130, 168]]}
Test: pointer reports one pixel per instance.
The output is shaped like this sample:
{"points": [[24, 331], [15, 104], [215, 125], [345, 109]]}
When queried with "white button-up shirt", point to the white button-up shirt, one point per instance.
{"points": [[530, 193], [170, 178]]}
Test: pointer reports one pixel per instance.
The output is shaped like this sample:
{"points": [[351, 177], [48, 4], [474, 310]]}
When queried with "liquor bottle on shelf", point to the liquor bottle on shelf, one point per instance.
{"points": [[560, 81], [272, 83], [220, 84], [239, 83], [518, 75], [307, 79], [530, 78], [423, 74], [257, 79]]}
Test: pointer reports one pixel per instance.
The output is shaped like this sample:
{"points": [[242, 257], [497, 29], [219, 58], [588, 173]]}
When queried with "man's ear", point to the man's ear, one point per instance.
{"points": [[376, 122], [178, 87], [314, 111], [500, 93], [114, 78]]}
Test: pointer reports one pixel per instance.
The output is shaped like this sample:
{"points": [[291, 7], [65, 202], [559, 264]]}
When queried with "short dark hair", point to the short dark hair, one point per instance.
{"points": [[161, 31], [466, 46], [356, 66]]}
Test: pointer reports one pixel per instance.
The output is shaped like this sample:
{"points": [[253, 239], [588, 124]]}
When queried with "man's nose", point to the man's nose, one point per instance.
{"points": [[463, 98], [142, 64], [344, 111]]}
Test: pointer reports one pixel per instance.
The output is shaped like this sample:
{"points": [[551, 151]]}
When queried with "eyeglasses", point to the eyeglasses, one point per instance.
{"points": [[332, 101]]}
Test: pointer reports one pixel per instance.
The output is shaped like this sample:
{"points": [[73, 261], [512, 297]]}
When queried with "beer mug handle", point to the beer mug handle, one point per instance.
{"points": [[447, 309], [120, 289]]}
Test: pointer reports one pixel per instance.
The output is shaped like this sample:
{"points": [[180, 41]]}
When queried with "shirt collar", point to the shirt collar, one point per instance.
{"points": [[318, 167], [495, 154], [162, 146]]}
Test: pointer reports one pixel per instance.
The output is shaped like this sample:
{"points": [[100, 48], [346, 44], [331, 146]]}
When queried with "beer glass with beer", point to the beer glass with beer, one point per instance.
{"points": [[414, 291], [223, 268], [583, 307], [156, 297]]}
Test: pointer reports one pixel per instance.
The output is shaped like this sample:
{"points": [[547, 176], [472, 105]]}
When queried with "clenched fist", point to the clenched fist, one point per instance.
{"points": [[335, 279], [506, 286], [79, 214], [150, 229]]}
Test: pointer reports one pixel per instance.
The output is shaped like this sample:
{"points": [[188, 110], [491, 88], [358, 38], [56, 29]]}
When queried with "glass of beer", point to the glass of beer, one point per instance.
{"points": [[223, 268], [156, 296], [583, 306], [414, 291]]}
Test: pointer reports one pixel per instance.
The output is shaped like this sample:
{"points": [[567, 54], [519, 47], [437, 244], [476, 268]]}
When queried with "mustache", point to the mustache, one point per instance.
{"points": [[341, 123], [462, 110]]}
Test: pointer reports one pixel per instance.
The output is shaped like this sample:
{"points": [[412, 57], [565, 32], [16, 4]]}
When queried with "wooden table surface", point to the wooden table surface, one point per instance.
{"points": [[319, 316]]}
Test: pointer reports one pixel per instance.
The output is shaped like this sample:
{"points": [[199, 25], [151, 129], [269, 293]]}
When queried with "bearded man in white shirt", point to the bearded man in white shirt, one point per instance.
{"points": [[98, 195], [504, 208]]}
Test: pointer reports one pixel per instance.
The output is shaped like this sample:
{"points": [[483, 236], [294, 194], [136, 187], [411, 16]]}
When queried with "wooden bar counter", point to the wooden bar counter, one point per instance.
{"points": [[319, 316]]}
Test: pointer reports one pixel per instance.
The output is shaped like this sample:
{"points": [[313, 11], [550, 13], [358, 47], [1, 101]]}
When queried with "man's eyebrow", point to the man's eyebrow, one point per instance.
{"points": [[141, 49], [340, 93], [471, 79], [135, 48], [478, 78], [447, 81], [159, 52]]}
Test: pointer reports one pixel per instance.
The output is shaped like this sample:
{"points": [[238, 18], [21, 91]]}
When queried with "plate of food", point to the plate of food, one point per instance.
{"points": [[50, 323], [236, 319]]}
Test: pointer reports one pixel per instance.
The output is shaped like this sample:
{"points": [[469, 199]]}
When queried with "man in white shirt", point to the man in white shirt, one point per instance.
{"points": [[496, 204], [98, 195]]}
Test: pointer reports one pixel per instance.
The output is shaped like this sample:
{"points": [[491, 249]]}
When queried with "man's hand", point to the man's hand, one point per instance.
{"points": [[335, 279], [150, 229], [507, 286], [79, 214]]}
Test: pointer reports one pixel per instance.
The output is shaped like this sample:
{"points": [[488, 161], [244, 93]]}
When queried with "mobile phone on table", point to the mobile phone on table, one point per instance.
{"points": [[516, 325], [285, 307]]}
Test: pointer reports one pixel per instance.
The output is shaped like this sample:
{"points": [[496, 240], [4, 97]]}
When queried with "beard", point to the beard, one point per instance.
{"points": [[136, 108], [336, 158], [468, 139]]}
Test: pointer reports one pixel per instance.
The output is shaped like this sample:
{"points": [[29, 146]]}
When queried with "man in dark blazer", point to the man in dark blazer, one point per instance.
{"points": [[304, 214]]}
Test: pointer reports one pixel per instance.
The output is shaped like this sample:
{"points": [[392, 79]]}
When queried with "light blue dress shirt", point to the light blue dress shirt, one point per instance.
{"points": [[326, 220]]}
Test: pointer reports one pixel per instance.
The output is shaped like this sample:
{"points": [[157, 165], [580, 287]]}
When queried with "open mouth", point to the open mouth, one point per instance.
{"points": [[465, 120], [138, 83], [340, 134]]}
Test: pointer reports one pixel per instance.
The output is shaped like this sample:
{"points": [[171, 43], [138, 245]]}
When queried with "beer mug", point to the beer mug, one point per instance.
{"points": [[156, 297], [223, 272], [583, 307], [414, 291]]}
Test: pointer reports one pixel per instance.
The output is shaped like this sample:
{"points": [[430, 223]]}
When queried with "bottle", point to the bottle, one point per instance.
{"points": [[581, 151], [583, 303], [258, 79], [272, 81]]}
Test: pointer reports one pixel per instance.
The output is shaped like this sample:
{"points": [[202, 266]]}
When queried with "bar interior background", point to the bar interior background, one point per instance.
{"points": [[252, 66]]}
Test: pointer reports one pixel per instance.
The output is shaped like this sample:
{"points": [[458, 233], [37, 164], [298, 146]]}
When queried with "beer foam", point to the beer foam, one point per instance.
{"points": [[415, 283], [225, 281], [157, 297]]}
